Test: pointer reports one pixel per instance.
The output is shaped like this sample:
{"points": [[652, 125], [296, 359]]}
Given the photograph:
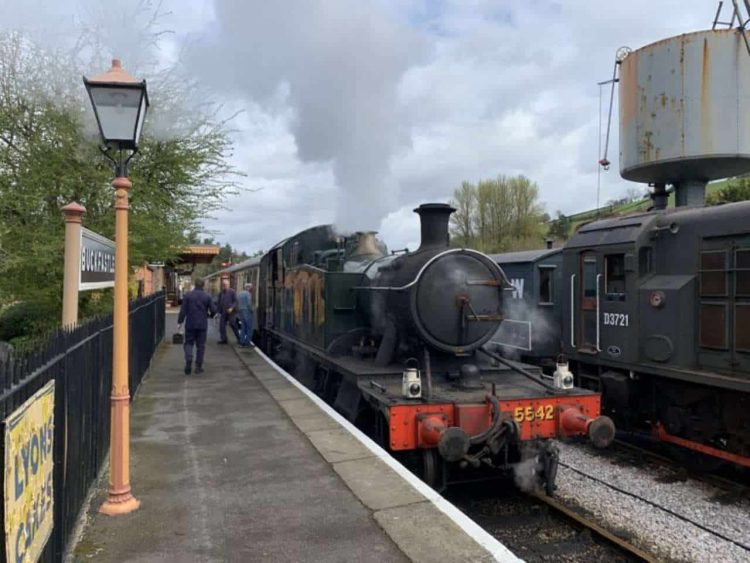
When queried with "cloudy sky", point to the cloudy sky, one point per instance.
{"points": [[356, 111]]}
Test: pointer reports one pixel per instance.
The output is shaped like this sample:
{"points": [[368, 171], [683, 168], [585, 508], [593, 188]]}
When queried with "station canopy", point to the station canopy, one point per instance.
{"points": [[192, 255]]}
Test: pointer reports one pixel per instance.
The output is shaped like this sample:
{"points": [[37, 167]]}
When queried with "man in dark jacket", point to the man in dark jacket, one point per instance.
{"points": [[228, 310], [196, 307]]}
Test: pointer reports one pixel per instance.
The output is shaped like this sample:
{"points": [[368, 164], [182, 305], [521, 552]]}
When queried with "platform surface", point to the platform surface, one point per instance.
{"points": [[237, 464]]}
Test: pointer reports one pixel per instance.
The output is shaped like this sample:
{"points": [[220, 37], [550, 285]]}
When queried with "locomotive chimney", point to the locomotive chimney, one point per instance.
{"points": [[434, 219]]}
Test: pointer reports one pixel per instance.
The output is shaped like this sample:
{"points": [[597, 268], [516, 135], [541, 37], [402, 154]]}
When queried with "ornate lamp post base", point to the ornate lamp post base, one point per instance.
{"points": [[119, 504]]}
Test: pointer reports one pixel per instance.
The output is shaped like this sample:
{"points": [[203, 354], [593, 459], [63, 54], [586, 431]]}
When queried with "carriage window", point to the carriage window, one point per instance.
{"points": [[741, 322], [645, 261], [742, 258], [614, 276], [713, 325], [714, 273], [546, 295], [589, 277]]}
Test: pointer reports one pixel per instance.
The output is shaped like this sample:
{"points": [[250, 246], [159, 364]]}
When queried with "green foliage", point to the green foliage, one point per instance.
{"points": [[49, 156], [560, 227], [735, 190], [497, 215], [27, 319]]}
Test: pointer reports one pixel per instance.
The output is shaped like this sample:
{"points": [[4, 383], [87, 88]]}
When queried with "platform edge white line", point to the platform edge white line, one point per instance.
{"points": [[496, 549]]}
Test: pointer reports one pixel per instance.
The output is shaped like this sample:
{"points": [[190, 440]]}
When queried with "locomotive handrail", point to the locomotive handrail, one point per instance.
{"points": [[598, 277], [550, 388], [572, 310]]}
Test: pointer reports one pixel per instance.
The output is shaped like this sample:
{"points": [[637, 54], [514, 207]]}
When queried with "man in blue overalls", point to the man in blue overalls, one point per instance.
{"points": [[245, 308], [196, 307], [228, 310]]}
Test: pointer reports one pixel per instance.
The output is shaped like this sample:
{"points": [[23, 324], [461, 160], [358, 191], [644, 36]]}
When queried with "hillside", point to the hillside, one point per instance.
{"points": [[578, 219]]}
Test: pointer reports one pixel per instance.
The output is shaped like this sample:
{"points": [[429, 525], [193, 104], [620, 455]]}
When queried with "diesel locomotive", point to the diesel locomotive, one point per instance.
{"points": [[654, 311], [398, 343]]}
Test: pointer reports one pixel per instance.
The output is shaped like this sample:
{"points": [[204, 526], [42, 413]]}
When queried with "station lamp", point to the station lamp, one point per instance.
{"points": [[120, 103]]}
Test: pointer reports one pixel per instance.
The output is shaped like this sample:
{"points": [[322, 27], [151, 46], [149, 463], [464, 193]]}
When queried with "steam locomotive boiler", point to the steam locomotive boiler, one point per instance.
{"points": [[395, 342]]}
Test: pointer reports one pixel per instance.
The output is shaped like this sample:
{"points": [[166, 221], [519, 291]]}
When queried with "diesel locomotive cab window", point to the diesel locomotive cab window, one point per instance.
{"points": [[742, 258], [714, 273], [615, 277], [545, 285]]}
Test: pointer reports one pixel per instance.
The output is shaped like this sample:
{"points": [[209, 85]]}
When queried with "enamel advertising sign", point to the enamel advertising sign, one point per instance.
{"points": [[29, 434]]}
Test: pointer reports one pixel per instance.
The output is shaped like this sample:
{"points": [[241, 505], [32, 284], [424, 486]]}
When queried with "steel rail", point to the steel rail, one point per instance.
{"points": [[598, 530], [656, 505]]}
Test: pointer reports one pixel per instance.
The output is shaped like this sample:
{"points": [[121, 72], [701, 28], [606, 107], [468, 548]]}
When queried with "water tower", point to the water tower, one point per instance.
{"points": [[685, 113]]}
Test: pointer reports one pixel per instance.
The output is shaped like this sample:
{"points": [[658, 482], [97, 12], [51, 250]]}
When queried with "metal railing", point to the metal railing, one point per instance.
{"points": [[80, 362]]}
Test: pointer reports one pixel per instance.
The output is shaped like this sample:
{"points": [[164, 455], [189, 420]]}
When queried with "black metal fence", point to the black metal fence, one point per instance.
{"points": [[80, 362]]}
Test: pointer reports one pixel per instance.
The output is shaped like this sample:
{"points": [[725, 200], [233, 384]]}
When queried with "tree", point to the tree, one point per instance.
{"points": [[49, 157], [497, 215], [560, 227], [462, 221], [735, 190]]}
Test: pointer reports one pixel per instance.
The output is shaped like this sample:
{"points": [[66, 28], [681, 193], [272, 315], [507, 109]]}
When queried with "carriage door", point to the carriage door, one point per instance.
{"points": [[590, 273]]}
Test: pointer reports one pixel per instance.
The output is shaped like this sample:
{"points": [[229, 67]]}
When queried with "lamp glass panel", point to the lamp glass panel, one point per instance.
{"points": [[141, 117], [117, 109]]}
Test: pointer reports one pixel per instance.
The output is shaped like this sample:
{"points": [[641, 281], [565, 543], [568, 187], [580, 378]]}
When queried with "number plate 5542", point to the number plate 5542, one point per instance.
{"points": [[530, 413]]}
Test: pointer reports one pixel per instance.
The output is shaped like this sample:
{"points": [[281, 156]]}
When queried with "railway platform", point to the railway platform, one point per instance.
{"points": [[241, 463]]}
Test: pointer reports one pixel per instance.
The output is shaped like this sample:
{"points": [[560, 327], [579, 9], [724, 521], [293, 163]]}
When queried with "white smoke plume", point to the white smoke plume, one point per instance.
{"points": [[338, 64], [543, 330]]}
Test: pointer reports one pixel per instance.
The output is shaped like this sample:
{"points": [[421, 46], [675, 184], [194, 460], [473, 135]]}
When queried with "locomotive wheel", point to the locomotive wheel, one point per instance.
{"points": [[433, 469]]}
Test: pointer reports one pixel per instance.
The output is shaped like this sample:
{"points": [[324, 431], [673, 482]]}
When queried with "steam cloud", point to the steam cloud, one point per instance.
{"points": [[338, 64]]}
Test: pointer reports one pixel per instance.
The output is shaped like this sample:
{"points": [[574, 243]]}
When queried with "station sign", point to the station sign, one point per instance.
{"points": [[28, 492], [97, 269]]}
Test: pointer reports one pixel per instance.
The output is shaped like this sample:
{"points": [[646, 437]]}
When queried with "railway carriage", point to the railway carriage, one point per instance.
{"points": [[533, 315]]}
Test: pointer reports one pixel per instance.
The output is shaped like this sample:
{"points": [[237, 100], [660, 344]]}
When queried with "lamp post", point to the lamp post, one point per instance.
{"points": [[120, 103]]}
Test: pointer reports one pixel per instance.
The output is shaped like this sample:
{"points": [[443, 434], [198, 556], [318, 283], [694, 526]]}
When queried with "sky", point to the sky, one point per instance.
{"points": [[357, 111]]}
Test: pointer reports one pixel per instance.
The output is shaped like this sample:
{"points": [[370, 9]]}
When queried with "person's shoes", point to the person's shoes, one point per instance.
{"points": [[188, 368], [222, 342], [198, 369]]}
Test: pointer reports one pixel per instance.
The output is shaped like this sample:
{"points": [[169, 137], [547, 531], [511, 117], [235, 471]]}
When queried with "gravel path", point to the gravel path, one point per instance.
{"points": [[654, 529]]}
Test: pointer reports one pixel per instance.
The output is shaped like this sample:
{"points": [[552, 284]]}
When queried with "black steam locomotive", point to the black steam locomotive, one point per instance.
{"points": [[397, 343], [654, 311]]}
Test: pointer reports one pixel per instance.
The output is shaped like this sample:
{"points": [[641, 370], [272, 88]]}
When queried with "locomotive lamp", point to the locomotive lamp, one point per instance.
{"points": [[411, 381], [562, 378], [120, 102]]}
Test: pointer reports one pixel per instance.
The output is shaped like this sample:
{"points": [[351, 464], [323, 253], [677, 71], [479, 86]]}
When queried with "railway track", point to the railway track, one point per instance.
{"points": [[703, 514], [538, 528], [734, 482]]}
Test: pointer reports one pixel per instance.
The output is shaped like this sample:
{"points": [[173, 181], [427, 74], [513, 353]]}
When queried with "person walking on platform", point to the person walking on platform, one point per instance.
{"points": [[228, 310], [245, 309], [196, 307]]}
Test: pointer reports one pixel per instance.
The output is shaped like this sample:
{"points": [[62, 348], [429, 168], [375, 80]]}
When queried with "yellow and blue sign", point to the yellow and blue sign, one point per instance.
{"points": [[29, 434]]}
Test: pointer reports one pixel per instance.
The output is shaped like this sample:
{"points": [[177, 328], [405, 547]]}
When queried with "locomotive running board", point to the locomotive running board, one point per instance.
{"points": [[664, 436]]}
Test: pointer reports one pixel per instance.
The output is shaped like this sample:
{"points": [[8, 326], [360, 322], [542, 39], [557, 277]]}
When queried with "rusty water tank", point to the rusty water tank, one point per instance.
{"points": [[685, 109]]}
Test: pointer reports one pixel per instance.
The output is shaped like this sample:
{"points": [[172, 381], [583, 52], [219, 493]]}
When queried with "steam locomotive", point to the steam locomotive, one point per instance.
{"points": [[396, 342], [652, 309]]}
